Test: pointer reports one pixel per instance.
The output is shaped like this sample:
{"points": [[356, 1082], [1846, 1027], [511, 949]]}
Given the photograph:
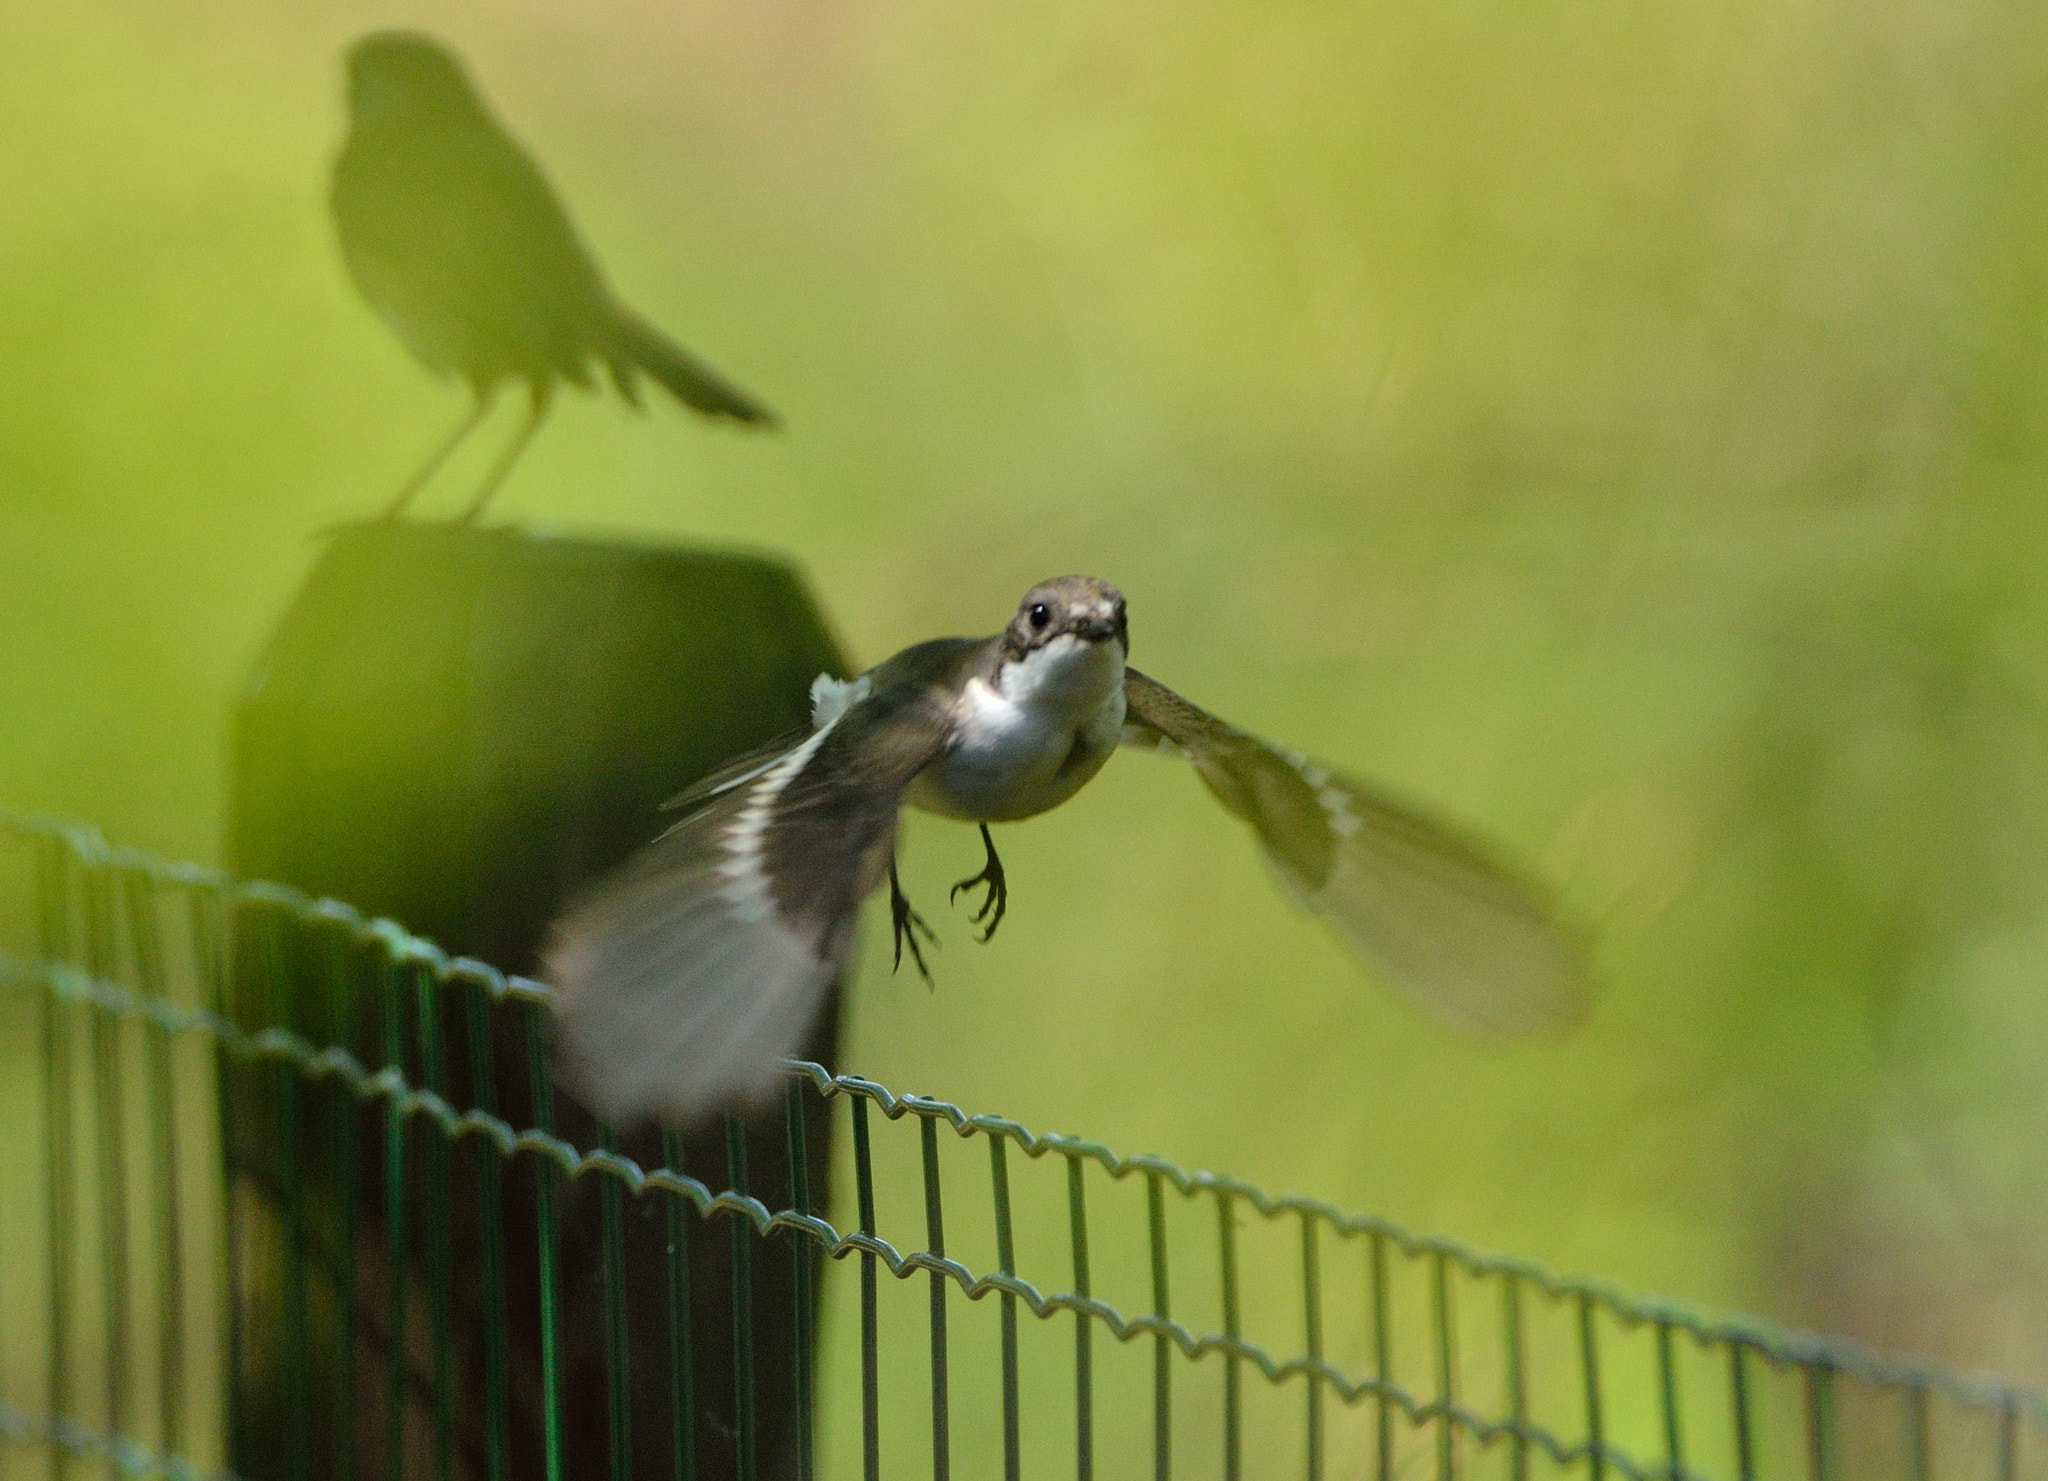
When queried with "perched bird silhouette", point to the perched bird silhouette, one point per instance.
{"points": [[453, 235], [683, 980]]}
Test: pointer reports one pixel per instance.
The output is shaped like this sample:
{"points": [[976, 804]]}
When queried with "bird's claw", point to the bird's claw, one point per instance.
{"points": [[997, 900], [906, 923]]}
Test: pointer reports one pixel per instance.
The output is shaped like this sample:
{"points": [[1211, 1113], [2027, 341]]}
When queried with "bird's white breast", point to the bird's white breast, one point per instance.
{"points": [[1031, 739]]}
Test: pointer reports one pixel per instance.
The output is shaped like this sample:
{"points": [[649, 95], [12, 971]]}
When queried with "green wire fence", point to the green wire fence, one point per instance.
{"points": [[355, 1290]]}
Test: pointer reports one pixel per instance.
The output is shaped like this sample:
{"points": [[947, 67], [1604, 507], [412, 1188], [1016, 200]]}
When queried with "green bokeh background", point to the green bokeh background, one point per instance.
{"points": [[1622, 425]]}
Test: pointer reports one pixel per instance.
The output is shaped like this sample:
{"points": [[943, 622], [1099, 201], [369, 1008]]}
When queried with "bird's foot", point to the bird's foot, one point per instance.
{"points": [[906, 923], [997, 900]]}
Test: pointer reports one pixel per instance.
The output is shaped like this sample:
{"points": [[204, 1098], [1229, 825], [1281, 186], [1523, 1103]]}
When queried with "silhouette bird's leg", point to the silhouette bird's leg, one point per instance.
{"points": [[907, 923], [440, 454], [543, 396], [997, 900]]}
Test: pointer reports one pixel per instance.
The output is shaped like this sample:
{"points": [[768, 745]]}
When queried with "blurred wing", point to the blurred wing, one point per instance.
{"points": [[734, 773], [683, 980], [1470, 938]]}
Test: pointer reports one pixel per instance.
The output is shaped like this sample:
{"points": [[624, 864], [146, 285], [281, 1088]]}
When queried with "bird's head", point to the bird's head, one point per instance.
{"points": [[1085, 608], [399, 73]]}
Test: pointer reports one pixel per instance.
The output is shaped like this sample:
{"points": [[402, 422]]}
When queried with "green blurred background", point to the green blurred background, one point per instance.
{"points": [[1620, 425]]}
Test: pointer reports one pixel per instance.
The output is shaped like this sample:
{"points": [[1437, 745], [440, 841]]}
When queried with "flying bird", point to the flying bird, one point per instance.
{"points": [[682, 981], [455, 238]]}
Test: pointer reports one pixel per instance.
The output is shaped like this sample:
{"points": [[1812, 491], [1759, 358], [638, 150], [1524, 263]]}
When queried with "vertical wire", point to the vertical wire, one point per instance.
{"points": [[682, 1413], [870, 1362], [935, 1242], [611, 1196], [1233, 1397], [545, 1173], [208, 919], [440, 1253], [7, 1268], [1382, 1356], [161, 1096], [1745, 1433], [1006, 1261], [292, 1194], [1162, 1344], [109, 1104], [1446, 1366], [1515, 1349], [1820, 1423], [1084, 1367], [800, 1256], [395, 1241], [1589, 1366], [1312, 1331], [483, 1076], [1919, 1448], [742, 1301], [57, 1132], [1667, 1382], [342, 972]]}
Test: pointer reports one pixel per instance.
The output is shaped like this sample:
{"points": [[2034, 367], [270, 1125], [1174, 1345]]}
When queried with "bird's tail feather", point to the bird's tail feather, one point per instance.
{"points": [[638, 345]]}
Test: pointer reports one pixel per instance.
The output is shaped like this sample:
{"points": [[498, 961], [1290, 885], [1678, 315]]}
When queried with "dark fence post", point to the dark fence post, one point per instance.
{"points": [[459, 728]]}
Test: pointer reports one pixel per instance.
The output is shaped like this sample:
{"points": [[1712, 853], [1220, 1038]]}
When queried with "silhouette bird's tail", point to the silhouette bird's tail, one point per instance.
{"points": [[638, 345]]}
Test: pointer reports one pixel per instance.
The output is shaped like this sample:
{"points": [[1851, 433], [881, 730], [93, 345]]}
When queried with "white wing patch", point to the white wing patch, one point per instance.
{"points": [[746, 889], [1335, 802], [831, 698]]}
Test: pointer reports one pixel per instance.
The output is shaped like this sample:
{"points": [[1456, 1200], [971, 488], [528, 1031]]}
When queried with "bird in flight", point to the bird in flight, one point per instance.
{"points": [[455, 238], [682, 981]]}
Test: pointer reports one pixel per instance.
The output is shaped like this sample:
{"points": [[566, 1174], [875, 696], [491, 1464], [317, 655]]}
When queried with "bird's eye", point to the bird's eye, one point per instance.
{"points": [[1040, 614]]}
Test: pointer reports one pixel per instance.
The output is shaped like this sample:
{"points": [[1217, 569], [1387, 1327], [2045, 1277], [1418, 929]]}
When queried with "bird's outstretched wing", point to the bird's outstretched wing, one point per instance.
{"points": [[684, 979], [1439, 917], [736, 772]]}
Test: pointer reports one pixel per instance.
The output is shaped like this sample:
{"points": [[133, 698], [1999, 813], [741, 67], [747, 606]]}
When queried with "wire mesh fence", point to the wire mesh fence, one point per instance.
{"points": [[298, 1207]]}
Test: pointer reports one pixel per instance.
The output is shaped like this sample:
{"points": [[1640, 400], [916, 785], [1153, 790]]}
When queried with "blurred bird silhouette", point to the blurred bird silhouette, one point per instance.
{"points": [[455, 238]]}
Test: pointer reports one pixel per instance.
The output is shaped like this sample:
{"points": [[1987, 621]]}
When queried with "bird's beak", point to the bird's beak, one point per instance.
{"points": [[1095, 629]]}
